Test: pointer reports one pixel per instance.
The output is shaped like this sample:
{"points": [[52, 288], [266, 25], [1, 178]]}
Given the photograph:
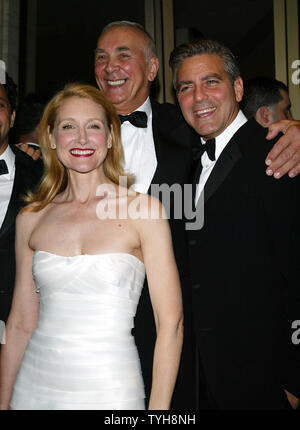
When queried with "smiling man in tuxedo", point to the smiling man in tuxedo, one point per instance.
{"points": [[158, 152], [18, 173], [156, 141], [245, 259]]}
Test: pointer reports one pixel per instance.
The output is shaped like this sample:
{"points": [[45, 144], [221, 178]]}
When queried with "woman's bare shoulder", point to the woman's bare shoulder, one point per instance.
{"points": [[30, 216], [151, 206]]}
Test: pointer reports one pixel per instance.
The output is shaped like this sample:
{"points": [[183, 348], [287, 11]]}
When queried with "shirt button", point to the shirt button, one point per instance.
{"points": [[192, 242], [196, 286]]}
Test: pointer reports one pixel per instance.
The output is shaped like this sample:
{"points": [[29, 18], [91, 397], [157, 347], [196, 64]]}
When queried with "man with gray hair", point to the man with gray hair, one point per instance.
{"points": [[157, 150], [245, 259]]}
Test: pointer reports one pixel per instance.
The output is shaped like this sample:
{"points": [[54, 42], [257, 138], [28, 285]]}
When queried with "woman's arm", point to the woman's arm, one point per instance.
{"points": [[165, 294], [24, 312]]}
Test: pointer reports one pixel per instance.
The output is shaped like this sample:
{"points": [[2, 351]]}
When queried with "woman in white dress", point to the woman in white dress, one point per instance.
{"points": [[83, 245]]}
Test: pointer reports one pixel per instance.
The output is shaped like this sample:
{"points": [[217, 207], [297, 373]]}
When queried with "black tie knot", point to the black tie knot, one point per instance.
{"points": [[3, 167], [209, 146], [137, 118]]}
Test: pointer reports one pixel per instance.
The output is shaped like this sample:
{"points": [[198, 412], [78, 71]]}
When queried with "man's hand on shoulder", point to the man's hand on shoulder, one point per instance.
{"points": [[284, 157], [35, 154]]}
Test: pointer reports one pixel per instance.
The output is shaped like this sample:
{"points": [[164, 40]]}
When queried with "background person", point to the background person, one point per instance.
{"points": [[18, 174], [267, 100], [26, 128]]}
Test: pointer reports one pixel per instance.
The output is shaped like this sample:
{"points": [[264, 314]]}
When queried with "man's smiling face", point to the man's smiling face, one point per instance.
{"points": [[207, 97], [6, 119], [122, 70]]}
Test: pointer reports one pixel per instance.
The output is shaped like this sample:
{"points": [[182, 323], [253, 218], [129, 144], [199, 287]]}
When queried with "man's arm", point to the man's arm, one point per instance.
{"points": [[33, 153], [284, 157]]}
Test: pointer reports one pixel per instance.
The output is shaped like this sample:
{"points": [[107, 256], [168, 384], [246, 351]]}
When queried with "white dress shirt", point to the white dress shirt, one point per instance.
{"points": [[6, 182], [221, 142], [139, 150]]}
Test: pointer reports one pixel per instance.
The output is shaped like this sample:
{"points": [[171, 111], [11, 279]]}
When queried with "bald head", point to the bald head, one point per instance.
{"points": [[125, 65], [150, 48]]}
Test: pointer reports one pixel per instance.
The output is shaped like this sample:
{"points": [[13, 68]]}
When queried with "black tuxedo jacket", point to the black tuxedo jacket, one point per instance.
{"points": [[173, 140], [245, 270], [27, 174]]}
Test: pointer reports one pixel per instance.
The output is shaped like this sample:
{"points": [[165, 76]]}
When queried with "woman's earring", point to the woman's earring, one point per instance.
{"points": [[53, 146], [109, 145]]}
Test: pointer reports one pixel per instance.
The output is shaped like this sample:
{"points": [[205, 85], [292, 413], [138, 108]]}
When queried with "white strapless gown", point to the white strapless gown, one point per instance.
{"points": [[82, 354]]}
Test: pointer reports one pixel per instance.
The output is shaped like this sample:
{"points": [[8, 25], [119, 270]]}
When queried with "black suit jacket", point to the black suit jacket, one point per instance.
{"points": [[245, 270], [173, 140], [27, 174]]}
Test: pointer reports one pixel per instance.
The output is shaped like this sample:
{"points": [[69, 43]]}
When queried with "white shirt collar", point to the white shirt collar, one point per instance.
{"points": [[226, 135], [145, 107], [9, 158], [126, 126]]}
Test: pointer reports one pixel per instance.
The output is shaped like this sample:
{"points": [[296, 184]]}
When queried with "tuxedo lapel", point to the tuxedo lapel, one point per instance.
{"points": [[13, 206], [222, 168], [158, 148], [173, 142], [27, 175]]}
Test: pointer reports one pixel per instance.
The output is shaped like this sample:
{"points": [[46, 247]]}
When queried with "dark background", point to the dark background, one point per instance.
{"points": [[67, 32]]}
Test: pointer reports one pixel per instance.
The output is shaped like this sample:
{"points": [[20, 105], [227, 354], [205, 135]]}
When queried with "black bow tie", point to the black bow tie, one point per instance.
{"points": [[3, 167], [209, 147], [137, 118]]}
